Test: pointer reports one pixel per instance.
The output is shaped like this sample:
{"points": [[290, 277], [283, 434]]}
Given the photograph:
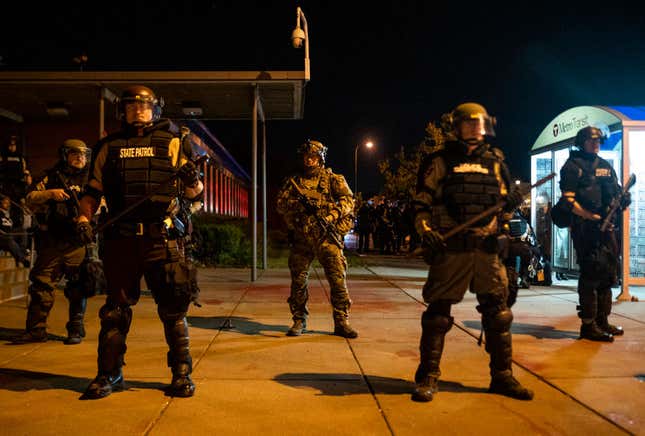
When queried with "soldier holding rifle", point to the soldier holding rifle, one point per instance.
{"points": [[317, 206]]}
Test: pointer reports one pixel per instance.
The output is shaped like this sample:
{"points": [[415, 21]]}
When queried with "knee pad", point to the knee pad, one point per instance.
{"points": [[435, 321], [118, 317], [490, 304], [499, 321]]}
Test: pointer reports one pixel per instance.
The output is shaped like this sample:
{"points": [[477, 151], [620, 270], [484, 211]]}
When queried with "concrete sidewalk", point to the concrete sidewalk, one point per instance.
{"points": [[252, 379]]}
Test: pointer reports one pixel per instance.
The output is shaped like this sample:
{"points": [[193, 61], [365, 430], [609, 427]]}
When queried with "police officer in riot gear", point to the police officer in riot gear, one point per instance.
{"points": [[317, 206], [13, 170], [457, 181], [59, 252], [588, 184], [141, 161]]}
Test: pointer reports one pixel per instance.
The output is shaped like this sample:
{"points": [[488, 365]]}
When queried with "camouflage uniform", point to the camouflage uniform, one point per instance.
{"points": [[332, 198]]}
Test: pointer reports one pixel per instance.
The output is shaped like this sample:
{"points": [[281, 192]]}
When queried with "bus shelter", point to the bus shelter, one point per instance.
{"points": [[624, 149]]}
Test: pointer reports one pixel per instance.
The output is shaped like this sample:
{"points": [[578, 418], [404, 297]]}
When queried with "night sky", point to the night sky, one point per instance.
{"points": [[377, 72]]}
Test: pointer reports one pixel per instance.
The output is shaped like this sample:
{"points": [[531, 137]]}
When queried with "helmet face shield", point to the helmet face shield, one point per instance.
{"points": [[140, 106], [75, 153], [471, 121], [590, 139]]}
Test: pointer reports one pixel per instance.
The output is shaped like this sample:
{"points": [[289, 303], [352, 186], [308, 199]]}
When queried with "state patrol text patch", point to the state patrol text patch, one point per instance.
{"points": [[130, 152], [470, 168]]}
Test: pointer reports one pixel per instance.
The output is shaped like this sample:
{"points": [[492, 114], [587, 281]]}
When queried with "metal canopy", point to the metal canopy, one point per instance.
{"points": [[221, 95]]}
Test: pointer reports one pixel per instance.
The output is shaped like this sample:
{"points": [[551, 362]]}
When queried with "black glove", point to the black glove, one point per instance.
{"points": [[85, 232], [433, 241], [189, 174], [514, 199], [626, 200]]}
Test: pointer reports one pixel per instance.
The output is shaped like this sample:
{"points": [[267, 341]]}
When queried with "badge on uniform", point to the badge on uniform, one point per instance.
{"points": [[603, 172]]}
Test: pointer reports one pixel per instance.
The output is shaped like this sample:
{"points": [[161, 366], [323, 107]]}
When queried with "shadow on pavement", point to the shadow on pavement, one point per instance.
{"points": [[536, 330], [347, 384], [20, 380], [7, 334], [241, 324]]}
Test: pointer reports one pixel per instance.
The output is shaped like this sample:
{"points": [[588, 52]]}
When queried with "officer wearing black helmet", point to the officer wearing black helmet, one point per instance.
{"points": [[59, 252], [588, 184], [318, 207], [138, 162], [456, 182], [13, 170]]}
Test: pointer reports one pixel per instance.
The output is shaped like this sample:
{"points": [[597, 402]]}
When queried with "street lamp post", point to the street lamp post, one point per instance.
{"points": [[298, 36], [368, 144]]}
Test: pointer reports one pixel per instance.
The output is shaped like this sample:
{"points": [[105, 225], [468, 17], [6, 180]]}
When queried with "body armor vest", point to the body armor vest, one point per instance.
{"points": [[596, 186], [60, 215], [137, 167], [472, 184], [318, 190], [11, 168]]}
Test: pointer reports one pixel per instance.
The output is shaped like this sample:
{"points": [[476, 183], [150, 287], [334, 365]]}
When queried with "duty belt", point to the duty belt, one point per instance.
{"points": [[153, 230], [471, 242]]}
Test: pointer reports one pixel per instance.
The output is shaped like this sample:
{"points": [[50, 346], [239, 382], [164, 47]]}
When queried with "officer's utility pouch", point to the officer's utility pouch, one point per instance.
{"points": [[496, 244]]}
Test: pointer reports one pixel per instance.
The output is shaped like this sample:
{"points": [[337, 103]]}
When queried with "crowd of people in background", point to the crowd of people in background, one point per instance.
{"points": [[15, 218], [385, 226]]}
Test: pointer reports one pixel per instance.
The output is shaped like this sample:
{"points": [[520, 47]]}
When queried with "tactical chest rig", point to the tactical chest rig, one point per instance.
{"points": [[135, 168], [471, 185], [59, 216]]}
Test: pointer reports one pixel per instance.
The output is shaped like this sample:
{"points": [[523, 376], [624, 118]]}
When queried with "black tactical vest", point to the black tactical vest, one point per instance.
{"points": [[597, 185], [472, 184], [60, 215], [137, 167], [12, 168]]}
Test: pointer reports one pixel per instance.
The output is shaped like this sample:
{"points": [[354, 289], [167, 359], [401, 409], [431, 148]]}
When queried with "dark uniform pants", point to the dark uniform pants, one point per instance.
{"points": [[126, 260], [333, 261], [55, 259], [448, 280], [596, 255]]}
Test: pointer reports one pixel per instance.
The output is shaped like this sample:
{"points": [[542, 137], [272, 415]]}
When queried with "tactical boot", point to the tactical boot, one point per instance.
{"points": [[604, 309], [75, 334], [613, 330], [73, 338], [103, 385], [181, 385], [425, 388], [30, 336], [508, 386], [298, 327], [592, 332], [342, 328]]}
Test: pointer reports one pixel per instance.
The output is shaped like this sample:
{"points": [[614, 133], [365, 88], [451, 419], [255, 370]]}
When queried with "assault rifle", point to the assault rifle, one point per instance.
{"points": [[329, 231], [72, 193], [615, 204]]}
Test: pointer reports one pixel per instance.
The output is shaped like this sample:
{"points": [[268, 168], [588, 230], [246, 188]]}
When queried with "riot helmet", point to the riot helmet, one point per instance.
{"points": [[587, 133], [311, 147], [11, 146], [75, 153], [134, 104], [470, 122]]}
